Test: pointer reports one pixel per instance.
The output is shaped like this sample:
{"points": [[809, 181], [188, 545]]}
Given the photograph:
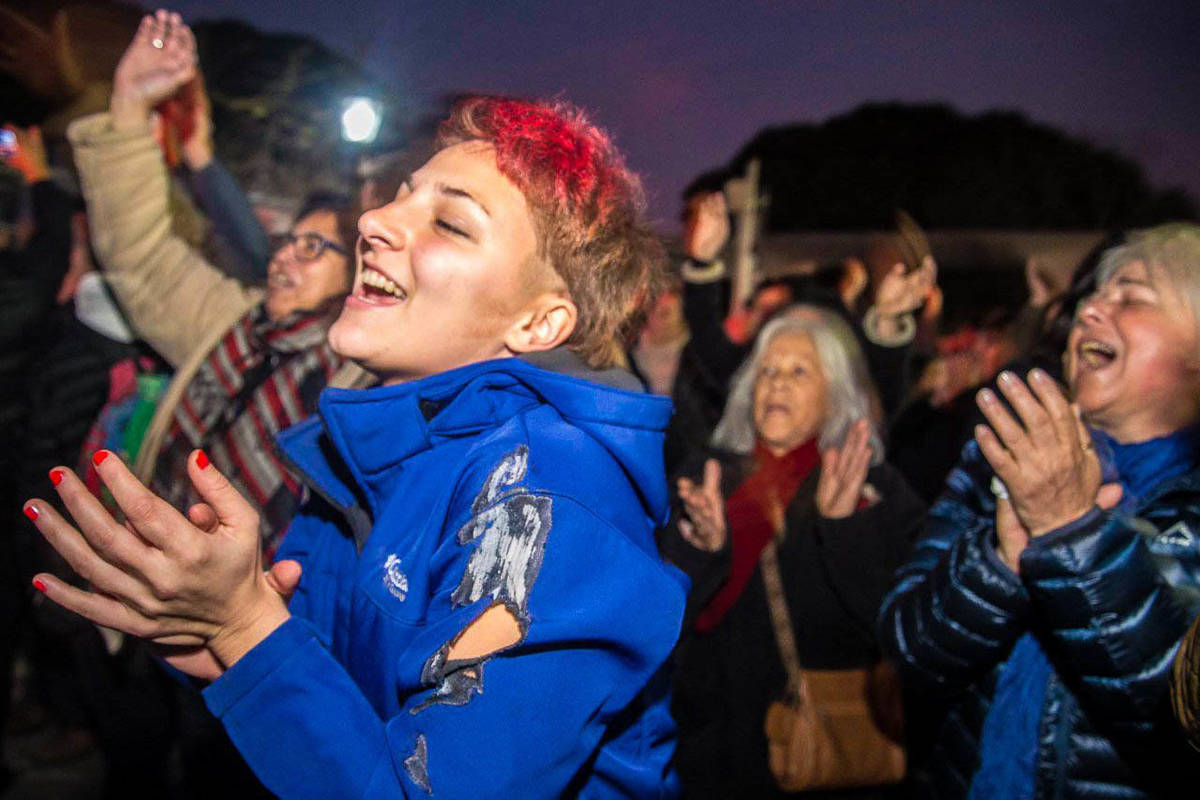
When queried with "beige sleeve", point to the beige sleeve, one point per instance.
{"points": [[170, 294]]}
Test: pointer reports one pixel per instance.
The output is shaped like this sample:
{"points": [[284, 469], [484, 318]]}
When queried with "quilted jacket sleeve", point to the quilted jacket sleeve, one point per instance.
{"points": [[955, 609], [1108, 619]]}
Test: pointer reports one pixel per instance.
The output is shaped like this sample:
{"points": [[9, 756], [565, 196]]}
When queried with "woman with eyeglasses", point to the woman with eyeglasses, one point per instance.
{"points": [[248, 361]]}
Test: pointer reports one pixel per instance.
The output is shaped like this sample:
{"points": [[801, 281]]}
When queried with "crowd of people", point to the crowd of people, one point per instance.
{"points": [[470, 488]]}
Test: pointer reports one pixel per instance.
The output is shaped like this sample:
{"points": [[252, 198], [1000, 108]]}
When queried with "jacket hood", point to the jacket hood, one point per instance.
{"points": [[374, 430]]}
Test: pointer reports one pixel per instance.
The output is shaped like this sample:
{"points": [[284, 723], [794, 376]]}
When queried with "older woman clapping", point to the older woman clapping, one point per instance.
{"points": [[1039, 599], [797, 441]]}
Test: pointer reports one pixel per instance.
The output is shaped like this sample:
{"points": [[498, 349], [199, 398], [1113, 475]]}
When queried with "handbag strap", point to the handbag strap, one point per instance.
{"points": [[781, 622]]}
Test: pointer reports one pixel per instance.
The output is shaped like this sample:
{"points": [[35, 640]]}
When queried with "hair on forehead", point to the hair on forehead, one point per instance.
{"points": [[850, 393], [1169, 251], [587, 209]]}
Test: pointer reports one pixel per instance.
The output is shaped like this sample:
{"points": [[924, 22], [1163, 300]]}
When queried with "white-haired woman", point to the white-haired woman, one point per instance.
{"points": [[1053, 585], [799, 455]]}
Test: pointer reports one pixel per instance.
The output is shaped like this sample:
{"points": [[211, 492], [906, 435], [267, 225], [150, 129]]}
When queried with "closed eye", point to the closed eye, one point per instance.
{"points": [[449, 228]]}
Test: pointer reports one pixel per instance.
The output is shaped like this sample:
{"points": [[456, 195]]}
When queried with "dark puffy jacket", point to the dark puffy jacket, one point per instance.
{"points": [[1094, 595]]}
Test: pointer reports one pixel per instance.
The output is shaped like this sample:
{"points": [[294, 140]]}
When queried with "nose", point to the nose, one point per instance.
{"points": [[1093, 308], [283, 249], [384, 227]]}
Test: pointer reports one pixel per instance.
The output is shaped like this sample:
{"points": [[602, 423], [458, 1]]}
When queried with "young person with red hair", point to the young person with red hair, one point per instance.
{"points": [[480, 608]]}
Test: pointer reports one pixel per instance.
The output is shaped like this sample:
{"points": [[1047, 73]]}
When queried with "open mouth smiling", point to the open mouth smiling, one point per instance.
{"points": [[1095, 354], [279, 279], [375, 286]]}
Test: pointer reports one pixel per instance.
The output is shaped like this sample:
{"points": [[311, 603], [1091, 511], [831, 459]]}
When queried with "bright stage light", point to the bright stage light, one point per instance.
{"points": [[360, 120]]}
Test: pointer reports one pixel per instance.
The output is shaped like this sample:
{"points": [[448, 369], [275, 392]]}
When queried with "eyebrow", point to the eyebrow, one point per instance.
{"points": [[1127, 280], [454, 191]]}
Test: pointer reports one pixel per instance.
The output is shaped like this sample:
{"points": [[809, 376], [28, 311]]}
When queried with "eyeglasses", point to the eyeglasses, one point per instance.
{"points": [[306, 246]]}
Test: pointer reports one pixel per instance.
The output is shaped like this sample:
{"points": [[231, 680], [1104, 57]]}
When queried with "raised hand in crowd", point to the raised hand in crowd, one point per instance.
{"points": [[1046, 461], [1042, 288], [28, 153], [707, 230], [161, 59], [184, 583], [844, 473], [703, 526], [900, 293]]}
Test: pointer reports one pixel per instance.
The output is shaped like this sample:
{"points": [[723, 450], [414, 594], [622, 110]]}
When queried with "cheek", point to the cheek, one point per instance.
{"points": [[1164, 366]]}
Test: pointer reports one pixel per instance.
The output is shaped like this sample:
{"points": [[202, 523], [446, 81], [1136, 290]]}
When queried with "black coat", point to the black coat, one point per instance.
{"points": [[835, 572]]}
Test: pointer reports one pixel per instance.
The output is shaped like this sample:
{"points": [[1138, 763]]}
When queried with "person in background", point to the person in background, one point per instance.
{"points": [[656, 354], [247, 362], [1046, 601], [480, 608], [721, 338], [800, 461], [35, 239]]}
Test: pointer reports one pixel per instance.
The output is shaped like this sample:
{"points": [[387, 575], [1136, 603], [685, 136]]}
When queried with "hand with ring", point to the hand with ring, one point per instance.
{"points": [[1045, 460], [160, 59]]}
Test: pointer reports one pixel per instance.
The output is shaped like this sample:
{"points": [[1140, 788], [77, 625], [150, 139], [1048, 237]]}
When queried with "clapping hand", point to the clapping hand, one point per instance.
{"points": [[703, 525], [844, 473], [181, 582], [1046, 461], [160, 59]]}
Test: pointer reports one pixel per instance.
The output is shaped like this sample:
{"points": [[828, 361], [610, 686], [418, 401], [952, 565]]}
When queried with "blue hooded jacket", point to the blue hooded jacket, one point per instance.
{"points": [[432, 501]]}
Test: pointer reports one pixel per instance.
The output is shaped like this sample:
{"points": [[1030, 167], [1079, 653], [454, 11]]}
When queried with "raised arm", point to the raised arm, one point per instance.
{"points": [[167, 289], [222, 200]]}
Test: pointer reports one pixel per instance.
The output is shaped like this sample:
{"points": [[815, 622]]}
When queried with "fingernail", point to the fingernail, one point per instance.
{"points": [[986, 396], [1036, 374], [99, 456], [31, 512], [56, 476], [202, 459], [1007, 377], [37, 584]]}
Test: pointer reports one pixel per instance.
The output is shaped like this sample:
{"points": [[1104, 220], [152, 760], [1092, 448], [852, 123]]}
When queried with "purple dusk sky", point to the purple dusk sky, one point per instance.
{"points": [[682, 85]]}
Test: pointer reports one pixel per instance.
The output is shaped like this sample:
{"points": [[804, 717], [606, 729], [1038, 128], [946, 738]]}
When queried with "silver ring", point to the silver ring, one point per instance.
{"points": [[157, 42]]}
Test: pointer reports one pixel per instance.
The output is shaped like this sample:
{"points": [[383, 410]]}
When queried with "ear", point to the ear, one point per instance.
{"points": [[547, 322]]}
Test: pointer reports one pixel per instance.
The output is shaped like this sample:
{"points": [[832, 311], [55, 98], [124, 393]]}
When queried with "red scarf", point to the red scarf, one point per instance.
{"points": [[752, 512]]}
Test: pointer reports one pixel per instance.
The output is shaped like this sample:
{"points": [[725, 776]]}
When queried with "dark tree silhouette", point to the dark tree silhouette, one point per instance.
{"points": [[277, 101], [949, 170]]}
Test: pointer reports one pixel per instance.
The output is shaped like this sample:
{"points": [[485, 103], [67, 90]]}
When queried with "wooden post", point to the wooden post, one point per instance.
{"points": [[742, 194]]}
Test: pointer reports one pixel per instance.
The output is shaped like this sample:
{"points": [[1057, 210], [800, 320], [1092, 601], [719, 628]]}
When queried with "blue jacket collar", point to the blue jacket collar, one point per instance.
{"points": [[370, 432]]}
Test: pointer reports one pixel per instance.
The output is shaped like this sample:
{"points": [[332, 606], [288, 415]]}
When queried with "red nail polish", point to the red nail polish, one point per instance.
{"points": [[31, 512], [37, 584], [56, 476], [202, 459], [99, 456]]}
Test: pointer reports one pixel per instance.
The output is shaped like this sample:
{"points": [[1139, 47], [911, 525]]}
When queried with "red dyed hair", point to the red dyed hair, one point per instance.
{"points": [[587, 207]]}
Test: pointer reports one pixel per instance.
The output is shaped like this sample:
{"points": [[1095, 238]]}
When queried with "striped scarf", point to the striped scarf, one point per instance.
{"points": [[261, 378]]}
